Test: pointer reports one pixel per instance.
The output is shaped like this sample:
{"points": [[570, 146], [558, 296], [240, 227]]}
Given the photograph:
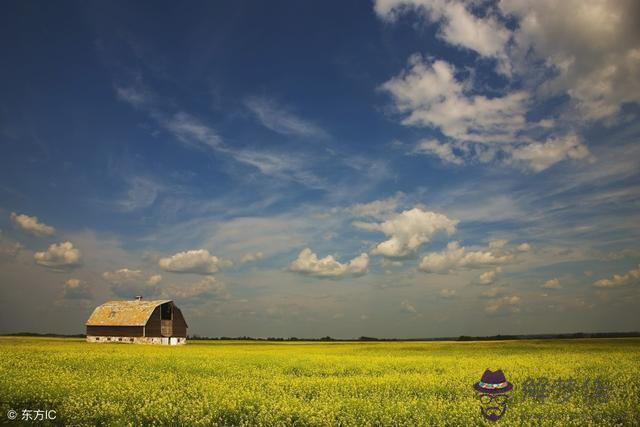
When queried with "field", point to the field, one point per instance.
{"points": [[303, 383]]}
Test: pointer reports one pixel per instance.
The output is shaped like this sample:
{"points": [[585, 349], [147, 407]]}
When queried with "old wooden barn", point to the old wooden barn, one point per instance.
{"points": [[137, 321]]}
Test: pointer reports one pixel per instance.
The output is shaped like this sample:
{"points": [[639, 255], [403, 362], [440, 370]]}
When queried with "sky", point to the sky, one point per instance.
{"points": [[388, 168]]}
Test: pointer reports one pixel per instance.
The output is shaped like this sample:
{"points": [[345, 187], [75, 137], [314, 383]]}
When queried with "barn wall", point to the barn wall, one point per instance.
{"points": [[179, 324], [116, 331], [152, 328]]}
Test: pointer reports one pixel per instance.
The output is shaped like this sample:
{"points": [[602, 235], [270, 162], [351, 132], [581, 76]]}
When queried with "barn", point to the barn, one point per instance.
{"points": [[137, 321]]}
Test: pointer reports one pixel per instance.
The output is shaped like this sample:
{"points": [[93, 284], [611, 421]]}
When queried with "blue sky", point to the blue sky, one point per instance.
{"points": [[391, 168]]}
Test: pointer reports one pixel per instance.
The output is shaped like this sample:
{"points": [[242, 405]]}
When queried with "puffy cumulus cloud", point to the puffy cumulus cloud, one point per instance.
{"points": [[206, 289], [489, 277], [429, 94], [552, 284], [459, 26], [198, 261], [632, 276], [538, 156], [76, 289], [61, 256], [127, 283], [592, 46], [328, 267], [251, 257], [586, 51], [444, 151], [524, 247], [31, 225], [504, 305], [456, 257], [407, 231], [378, 209]]}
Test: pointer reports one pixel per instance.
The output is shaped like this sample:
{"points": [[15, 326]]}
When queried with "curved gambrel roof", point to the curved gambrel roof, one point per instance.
{"points": [[124, 313]]}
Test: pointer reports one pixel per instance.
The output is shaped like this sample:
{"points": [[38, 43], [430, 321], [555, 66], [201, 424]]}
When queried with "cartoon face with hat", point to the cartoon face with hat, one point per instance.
{"points": [[493, 389]]}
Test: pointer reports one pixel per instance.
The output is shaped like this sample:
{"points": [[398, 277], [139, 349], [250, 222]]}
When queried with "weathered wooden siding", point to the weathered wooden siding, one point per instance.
{"points": [[179, 324], [119, 331], [152, 329]]}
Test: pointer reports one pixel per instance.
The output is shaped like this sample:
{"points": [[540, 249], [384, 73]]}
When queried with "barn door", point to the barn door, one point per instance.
{"points": [[166, 320]]}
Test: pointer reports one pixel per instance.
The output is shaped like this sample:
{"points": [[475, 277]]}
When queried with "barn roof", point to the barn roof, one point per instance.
{"points": [[124, 313]]}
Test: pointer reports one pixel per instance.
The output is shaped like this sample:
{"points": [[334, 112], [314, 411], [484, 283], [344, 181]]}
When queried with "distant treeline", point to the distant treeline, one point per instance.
{"points": [[576, 335]]}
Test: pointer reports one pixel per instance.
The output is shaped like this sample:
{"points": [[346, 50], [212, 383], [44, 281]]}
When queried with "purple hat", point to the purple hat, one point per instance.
{"points": [[493, 383]]}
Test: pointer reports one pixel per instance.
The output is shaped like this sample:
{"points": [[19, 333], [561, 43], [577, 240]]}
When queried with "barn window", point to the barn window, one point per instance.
{"points": [[165, 312]]}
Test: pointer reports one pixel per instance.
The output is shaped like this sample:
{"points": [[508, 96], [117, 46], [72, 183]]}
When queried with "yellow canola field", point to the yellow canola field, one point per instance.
{"points": [[318, 383]]}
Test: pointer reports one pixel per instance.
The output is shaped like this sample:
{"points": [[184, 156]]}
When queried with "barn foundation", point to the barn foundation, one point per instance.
{"points": [[137, 340]]}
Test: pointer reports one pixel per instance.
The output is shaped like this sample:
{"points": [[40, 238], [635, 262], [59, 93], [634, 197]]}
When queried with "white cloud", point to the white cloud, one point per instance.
{"points": [[539, 156], [59, 256], [489, 277], [76, 289], [31, 225], [198, 261], [190, 130], [278, 164], [524, 247], [552, 284], [444, 151], [429, 94], [328, 267], [378, 209], [632, 276], [251, 257], [135, 96], [459, 27], [194, 133], [456, 257], [280, 120], [407, 231], [588, 51], [504, 305], [593, 47], [142, 193]]}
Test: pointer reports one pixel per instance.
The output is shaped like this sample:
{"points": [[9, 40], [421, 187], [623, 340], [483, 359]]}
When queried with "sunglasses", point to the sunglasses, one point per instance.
{"points": [[488, 398]]}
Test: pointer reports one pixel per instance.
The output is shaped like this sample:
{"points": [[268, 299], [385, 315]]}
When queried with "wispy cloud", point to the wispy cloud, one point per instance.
{"points": [[281, 120], [195, 133]]}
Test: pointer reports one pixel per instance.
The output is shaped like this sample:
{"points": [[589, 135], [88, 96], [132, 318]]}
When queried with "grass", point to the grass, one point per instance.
{"points": [[305, 383]]}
